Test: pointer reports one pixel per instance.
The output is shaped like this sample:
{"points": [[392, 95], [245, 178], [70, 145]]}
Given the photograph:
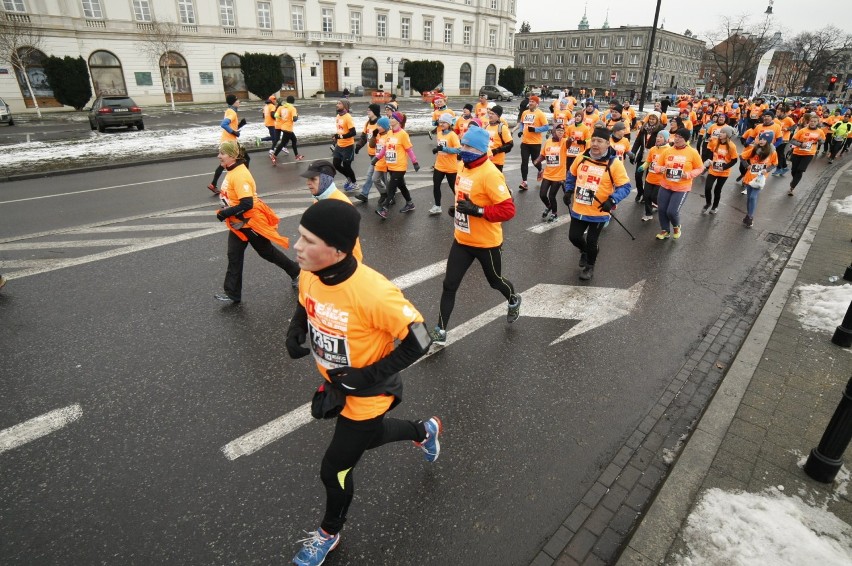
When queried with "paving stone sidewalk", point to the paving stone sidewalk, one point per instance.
{"points": [[774, 403]]}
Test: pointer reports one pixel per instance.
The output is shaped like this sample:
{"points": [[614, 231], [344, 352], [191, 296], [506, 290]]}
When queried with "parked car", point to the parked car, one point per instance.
{"points": [[6, 113], [496, 92], [115, 112]]}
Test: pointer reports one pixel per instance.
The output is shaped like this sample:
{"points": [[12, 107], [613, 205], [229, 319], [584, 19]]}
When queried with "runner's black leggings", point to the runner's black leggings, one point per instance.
{"points": [[437, 179], [710, 191], [351, 439], [529, 151], [397, 181], [586, 244], [460, 259], [782, 159], [236, 256], [547, 193], [652, 191], [220, 170], [282, 143], [799, 166]]}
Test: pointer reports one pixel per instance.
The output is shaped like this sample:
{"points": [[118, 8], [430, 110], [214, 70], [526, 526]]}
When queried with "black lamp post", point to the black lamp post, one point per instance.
{"points": [[301, 75]]}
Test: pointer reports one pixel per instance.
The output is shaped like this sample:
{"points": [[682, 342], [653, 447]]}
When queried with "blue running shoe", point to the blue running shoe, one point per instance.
{"points": [[430, 445], [315, 548]]}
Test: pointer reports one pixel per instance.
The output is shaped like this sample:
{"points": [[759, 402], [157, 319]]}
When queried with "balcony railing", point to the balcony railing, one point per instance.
{"points": [[330, 37], [95, 24], [21, 18]]}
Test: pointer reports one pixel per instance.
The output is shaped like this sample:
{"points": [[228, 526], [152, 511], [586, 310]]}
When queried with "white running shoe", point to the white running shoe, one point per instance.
{"points": [[435, 210]]}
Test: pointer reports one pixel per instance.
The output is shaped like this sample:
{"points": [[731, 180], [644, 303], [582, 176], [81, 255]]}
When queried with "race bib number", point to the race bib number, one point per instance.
{"points": [[574, 150], [674, 169], [330, 350], [390, 156], [529, 119], [807, 145], [718, 166], [756, 168], [588, 181], [442, 143], [551, 160], [379, 147], [462, 222]]}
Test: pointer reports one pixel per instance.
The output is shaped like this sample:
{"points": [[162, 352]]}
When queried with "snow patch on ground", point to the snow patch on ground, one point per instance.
{"points": [[844, 206], [821, 308], [740, 529]]}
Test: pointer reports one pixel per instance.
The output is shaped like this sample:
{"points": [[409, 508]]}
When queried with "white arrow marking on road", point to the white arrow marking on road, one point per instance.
{"points": [[592, 306], [37, 427], [543, 227]]}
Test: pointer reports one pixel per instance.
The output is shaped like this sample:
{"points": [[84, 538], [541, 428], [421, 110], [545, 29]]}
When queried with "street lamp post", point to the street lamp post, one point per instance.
{"points": [[392, 62], [301, 75]]}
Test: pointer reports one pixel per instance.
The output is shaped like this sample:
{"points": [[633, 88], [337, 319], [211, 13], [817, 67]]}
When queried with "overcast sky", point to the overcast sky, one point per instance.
{"points": [[792, 16]]}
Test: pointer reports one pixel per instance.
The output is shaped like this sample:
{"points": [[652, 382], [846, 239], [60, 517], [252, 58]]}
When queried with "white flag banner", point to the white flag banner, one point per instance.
{"points": [[762, 72]]}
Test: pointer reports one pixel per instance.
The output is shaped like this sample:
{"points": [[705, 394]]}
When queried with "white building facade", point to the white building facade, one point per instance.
{"points": [[322, 45]]}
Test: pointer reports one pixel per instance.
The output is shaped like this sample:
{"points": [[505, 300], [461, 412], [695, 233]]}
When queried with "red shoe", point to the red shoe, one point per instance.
{"points": [[273, 159], [523, 185], [300, 157], [213, 189]]}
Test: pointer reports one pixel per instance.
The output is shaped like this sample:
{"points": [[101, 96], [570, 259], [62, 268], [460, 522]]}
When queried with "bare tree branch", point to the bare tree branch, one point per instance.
{"points": [[817, 54], [20, 41], [160, 38], [737, 47]]}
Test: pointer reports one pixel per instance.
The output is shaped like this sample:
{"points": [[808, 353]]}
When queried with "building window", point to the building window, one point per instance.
{"points": [[562, 43], [601, 58], [297, 18], [288, 71], [616, 75], [575, 42], [522, 59], [590, 42], [631, 77], [619, 41], [548, 44], [264, 15], [328, 20], [233, 80], [381, 25], [226, 13], [14, 6], [92, 9], [604, 42], [534, 59], [173, 66], [572, 59], [141, 10], [493, 4], [637, 41], [560, 59], [492, 38], [466, 35], [491, 75], [634, 58], [545, 74], [523, 44], [370, 73], [599, 76], [618, 59], [532, 74], [535, 44], [464, 76], [405, 28], [557, 75], [584, 76], [355, 24], [187, 12], [107, 76], [448, 33], [545, 60], [427, 30], [587, 58], [571, 75]]}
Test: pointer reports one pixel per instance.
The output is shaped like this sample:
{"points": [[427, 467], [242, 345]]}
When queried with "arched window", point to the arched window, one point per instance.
{"points": [[491, 75], [464, 79], [33, 60], [370, 73], [233, 80], [175, 75], [400, 72], [288, 70], [107, 75]]}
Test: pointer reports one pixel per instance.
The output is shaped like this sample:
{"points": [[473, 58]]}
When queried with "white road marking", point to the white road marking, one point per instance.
{"points": [[152, 227], [72, 244], [260, 437], [103, 188], [543, 227], [37, 427]]}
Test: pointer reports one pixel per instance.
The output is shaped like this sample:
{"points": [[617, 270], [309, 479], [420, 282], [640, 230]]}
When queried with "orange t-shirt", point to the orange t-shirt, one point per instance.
{"points": [[499, 135], [462, 125], [368, 131], [722, 155], [575, 134], [483, 186], [563, 117], [447, 162], [480, 110], [787, 124], [269, 114], [651, 158], [621, 147], [554, 159], [810, 141], [231, 116], [590, 119], [677, 163], [344, 124], [534, 119], [756, 166], [594, 184], [397, 145], [284, 117], [381, 164], [355, 324]]}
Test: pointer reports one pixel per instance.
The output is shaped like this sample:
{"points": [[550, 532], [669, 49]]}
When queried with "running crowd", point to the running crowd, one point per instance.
{"points": [[360, 328]]}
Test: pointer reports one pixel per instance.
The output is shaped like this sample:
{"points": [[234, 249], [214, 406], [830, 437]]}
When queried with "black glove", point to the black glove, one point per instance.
{"points": [[373, 161], [349, 378], [632, 158], [416, 166], [466, 207], [357, 149], [531, 129], [435, 150], [607, 205], [220, 216], [295, 338], [566, 198], [242, 123], [237, 133], [521, 134]]}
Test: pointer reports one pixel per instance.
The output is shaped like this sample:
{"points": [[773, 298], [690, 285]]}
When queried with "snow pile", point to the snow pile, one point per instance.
{"points": [[821, 307], [843, 206], [770, 528]]}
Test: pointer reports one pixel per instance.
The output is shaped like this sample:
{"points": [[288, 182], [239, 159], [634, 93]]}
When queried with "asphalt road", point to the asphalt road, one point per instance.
{"points": [[165, 376]]}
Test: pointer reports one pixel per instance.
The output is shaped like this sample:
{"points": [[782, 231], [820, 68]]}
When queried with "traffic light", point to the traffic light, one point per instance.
{"points": [[832, 80]]}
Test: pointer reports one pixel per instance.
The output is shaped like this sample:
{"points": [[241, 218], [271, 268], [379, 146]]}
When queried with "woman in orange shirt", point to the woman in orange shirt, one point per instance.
{"points": [[446, 162], [805, 143], [679, 165], [396, 153], [653, 179], [554, 156], [761, 159], [723, 156]]}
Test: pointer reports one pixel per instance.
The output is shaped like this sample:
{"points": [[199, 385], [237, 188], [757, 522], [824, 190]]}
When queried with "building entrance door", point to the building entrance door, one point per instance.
{"points": [[329, 75]]}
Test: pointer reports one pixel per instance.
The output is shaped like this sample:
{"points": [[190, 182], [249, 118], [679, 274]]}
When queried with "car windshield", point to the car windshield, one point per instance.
{"points": [[118, 102]]}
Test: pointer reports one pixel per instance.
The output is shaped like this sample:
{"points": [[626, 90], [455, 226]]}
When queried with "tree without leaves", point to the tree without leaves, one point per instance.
{"points": [[737, 48], [162, 37], [425, 75], [69, 79], [20, 42], [816, 55], [262, 73], [512, 80]]}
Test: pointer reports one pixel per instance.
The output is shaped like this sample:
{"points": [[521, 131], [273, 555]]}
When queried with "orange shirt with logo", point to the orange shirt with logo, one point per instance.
{"points": [[231, 116], [621, 147], [594, 184], [650, 159], [397, 145], [677, 163], [447, 162], [381, 140], [555, 154], [284, 117], [757, 166], [480, 110], [575, 134], [534, 119], [344, 124], [483, 186], [810, 141], [722, 155]]}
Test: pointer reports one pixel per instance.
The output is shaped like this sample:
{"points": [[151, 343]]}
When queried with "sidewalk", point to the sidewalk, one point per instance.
{"points": [[770, 410]]}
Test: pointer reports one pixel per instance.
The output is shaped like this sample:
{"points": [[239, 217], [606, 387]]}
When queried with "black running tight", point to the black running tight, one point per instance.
{"points": [[710, 191], [547, 193], [437, 179], [799, 165], [529, 151]]}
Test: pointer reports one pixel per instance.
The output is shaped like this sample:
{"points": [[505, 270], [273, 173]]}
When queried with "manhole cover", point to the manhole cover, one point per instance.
{"points": [[780, 239]]}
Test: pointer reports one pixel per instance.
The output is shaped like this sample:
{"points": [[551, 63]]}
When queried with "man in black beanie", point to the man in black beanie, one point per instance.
{"points": [[351, 314], [501, 137], [230, 125]]}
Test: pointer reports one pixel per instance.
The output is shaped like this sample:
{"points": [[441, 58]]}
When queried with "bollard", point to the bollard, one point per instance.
{"points": [[843, 333], [824, 461]]}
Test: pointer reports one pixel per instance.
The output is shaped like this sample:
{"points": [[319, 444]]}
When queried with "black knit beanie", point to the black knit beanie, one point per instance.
{"points": [[335, 222], [375, 109]]}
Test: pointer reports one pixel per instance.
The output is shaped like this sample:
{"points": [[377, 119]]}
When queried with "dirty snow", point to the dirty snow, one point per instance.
{"points": [[821, 308], [844, 206]]}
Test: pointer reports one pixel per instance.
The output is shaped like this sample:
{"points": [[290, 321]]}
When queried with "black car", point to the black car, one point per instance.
{"points": [[115, 112], [495, 92]]}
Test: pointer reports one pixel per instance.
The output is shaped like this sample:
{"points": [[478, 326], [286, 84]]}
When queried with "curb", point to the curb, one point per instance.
{"points": [[652, 539]]}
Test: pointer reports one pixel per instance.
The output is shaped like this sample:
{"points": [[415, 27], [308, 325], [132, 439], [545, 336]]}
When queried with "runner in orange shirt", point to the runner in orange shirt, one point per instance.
{"points": [[269, 121], [500, 137], [481, 109], [805, 143], [554, 156], [619, 143], [230, 125], [396, 153], [679, 165], [577, 135], [368, 134], [532, 122], [344, 144], [446, 160], [653, 179], [761, 159], [285, 116], [723, 156], [646, 139], [463, 122], [362, 332], [788, 125], [320, 182]]}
